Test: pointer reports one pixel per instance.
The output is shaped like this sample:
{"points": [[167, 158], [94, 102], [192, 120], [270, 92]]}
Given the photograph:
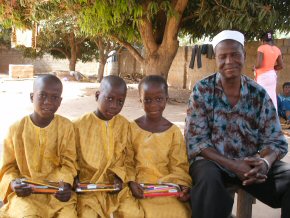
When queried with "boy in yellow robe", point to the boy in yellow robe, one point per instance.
{"points": [[156, 153], [101, 137], [41, 146]]}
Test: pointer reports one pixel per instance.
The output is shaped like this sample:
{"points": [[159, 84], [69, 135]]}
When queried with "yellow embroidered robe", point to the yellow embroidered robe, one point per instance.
{"points": [[100, 147], [38, 153], [154, 158]]}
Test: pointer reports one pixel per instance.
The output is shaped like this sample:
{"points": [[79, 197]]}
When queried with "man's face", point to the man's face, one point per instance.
{"points": [[286, 90], [230, 58]]}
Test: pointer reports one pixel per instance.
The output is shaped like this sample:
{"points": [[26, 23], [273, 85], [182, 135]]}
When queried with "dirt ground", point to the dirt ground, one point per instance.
{"points": [[78, 98]]}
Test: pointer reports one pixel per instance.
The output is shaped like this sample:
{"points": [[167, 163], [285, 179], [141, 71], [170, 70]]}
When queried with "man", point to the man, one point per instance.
{"points": [[284, 102], [233, 136]]}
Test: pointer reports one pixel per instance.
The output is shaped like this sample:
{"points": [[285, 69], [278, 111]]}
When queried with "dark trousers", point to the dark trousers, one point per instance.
{"points": [[211, 199]]}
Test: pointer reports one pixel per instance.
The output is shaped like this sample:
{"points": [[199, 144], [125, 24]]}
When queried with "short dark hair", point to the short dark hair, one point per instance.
{"points": [[113, 81], [286, 84], [153, 79], [47, 78], [267, 36]]}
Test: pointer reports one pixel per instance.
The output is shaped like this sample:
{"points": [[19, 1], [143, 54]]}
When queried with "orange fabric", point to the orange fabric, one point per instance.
{"points": [[271, 53]]}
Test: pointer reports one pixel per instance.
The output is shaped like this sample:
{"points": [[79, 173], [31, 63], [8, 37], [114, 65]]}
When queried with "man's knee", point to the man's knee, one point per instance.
{"points": [[205, 171]]}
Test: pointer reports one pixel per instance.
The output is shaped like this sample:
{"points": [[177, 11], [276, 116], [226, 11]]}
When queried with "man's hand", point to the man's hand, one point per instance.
{"points": [[258, 173], [136, 189], [21, 190], [185, 195], [240, 168], [64, 194]]}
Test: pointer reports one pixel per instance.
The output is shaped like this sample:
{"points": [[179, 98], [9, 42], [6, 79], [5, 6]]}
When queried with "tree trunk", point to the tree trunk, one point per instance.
{"points": [[159, 62], [161, 46], [72, 64], [101, 70], [73, 52]]}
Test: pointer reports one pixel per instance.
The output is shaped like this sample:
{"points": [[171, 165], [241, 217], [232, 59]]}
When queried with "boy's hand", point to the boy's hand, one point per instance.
{"points": [[136, 189], [65, 194], [76, 182], [185, 195], [118, 182], [21, 190]]}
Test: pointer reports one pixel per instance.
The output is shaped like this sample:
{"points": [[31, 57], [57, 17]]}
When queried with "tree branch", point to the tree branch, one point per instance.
{"points": [[130, 48], [173, 23], [59, 50], [219, 4], [189, 17], [147, 35], [80, 40]]}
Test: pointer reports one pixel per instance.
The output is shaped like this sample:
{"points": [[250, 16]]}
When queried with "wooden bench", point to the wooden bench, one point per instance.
{"points": [[244, 202]]}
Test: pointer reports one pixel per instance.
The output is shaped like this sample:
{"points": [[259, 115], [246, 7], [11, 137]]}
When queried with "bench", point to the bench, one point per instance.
{"points": [[244, 202]]}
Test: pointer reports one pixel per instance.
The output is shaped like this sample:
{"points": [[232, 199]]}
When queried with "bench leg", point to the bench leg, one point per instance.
{"points": [[244, 204]]}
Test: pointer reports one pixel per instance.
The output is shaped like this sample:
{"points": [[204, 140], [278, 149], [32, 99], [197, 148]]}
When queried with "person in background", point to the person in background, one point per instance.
{"points": [[284, 103], [269, 61]]}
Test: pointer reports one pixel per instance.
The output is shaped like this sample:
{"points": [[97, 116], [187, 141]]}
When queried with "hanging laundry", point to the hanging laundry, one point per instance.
{"points": [[210, 52], [198, 57], [204, 49], [193, 54]]}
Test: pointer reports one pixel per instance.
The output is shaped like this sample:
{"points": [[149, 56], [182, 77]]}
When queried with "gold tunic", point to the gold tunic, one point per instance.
{"points": [[101, 152], [38, 153], [153, 158]]}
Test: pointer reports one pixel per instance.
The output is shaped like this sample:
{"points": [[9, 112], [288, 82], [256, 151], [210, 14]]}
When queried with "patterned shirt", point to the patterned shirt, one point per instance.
{"points": [[235, 132]]}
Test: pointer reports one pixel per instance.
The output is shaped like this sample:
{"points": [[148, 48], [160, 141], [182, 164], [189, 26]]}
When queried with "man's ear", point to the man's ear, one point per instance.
{"points": [[97, 95], [31, 97]]}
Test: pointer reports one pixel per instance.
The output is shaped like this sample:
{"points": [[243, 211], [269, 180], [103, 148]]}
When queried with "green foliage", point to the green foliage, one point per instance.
{"points": [[252, 17], [121, 18], [54, 38], [5, 37]]}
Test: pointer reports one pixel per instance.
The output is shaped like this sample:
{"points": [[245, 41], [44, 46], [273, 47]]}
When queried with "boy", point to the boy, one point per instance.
{"points": [[39, 147], [101, 138], [156, 153]]}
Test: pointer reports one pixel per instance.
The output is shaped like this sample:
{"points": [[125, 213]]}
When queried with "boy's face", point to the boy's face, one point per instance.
{"points": [[110, 102], [153, 99], [286, 90], [46, 99]]}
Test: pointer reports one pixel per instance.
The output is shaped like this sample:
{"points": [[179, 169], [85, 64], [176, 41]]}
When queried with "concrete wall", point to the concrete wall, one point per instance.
{"points": [[180, 71], [180, 75], [42, 65]]}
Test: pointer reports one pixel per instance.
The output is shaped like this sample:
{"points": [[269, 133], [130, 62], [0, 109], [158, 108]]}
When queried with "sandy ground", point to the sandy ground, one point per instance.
{"points": [[78, 98]]}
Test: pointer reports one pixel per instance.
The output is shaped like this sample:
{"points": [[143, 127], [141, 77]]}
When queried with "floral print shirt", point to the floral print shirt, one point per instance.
{"points": [[234, 131]]}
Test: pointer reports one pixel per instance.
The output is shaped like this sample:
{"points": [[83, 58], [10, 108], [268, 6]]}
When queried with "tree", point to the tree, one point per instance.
{"points": [[156, 24], [59, 34], [105, 48], [60, 39], [5, 37]]}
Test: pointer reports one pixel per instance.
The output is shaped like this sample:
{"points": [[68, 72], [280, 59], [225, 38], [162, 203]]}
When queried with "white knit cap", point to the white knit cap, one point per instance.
{"points": [[228, 34]]}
